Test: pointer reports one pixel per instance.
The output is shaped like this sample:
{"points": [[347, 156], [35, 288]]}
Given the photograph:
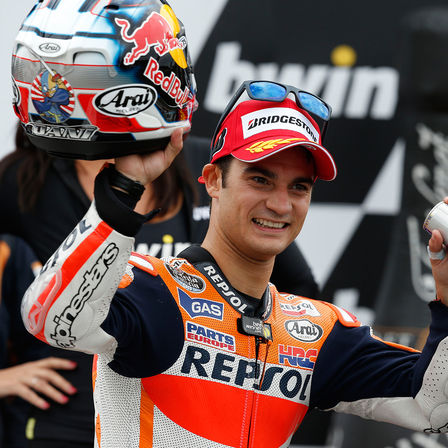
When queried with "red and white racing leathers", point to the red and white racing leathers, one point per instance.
{"points": [[186, 360]]}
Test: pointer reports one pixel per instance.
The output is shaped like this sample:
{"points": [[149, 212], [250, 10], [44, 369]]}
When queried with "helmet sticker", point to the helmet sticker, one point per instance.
{"points": [[52, 97], [50, 47], [155, 31], [126, 100]]}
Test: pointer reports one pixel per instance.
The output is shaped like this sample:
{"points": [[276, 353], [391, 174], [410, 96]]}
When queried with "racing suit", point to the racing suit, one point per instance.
{"points": [[183, 359]]}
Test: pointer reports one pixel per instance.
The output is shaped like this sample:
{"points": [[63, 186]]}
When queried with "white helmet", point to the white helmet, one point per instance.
{"points": [[96, 79]]}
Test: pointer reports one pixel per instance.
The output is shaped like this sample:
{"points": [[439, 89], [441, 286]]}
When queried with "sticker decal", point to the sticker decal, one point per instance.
{"points": [[206, 336], [49, 47], [188, 281], [303, 308], [303, 330], [278, 118], [81, 133], [198, 307], [53, 97], [297, 356], [155, 32], [126, 100]]}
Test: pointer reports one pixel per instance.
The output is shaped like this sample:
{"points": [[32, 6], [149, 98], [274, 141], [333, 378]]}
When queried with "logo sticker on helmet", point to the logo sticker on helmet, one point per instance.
{"points": [[155, 32], [49, 47], [53, 97], [126, 100]]}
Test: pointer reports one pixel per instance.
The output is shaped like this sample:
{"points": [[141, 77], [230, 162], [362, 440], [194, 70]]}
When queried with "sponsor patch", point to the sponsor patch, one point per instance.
{"points": [[231, 369], [303, 330], [278, 118], [303, 308], [297, 356], [92, 279], [126, 100], [197, 307], [188, 281], [206, 336]]}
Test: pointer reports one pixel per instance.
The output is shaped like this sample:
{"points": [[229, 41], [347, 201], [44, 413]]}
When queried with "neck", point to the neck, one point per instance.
{"points": [[248, 275]]}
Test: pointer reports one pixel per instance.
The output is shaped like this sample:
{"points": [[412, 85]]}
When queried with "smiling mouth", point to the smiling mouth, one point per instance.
{"points": [[269, 224]]}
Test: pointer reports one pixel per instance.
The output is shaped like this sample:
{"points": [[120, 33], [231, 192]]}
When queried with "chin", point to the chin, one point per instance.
{"points": [[265, 252]]}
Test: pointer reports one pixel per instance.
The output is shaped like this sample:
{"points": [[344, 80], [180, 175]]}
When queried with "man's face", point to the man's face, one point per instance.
{"points": [[263, 205]]}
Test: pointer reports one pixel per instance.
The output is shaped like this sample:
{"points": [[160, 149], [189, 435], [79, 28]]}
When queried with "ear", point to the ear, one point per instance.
{"points": [[213, 179]]}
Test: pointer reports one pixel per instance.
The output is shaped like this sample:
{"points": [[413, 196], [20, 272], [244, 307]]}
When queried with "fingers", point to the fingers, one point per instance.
{"points": [[30, 379], [56, 363], [43, 385], [175, 145], [27, 393], [436, 250], [48, 374]]}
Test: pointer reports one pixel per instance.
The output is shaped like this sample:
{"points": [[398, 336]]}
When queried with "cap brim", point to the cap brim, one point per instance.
{"points": [[325, 165]]}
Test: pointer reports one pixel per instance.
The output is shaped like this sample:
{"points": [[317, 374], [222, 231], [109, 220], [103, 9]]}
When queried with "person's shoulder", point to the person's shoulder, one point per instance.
{"points": [[299, 306]]}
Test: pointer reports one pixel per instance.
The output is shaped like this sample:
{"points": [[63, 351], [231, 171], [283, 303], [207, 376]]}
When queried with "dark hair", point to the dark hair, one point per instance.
{"points": [[224, 165], [31, 172], [34, 165]]}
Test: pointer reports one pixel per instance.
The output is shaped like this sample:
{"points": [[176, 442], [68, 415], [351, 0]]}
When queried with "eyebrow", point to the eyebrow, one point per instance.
{"points": [[265, 172]]}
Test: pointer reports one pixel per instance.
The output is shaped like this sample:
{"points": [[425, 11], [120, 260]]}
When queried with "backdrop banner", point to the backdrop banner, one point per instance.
{"points": [[401, 309]]}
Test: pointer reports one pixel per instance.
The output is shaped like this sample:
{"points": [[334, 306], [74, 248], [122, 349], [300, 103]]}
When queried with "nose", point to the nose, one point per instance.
{"points": [[279, 201]]}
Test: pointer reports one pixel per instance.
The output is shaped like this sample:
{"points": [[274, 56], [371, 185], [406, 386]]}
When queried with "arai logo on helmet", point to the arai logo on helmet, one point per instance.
{"points": [[126, 100], [49, 47]]}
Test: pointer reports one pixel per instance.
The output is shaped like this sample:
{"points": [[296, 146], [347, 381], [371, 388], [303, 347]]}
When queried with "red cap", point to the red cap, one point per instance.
{"points": [[256, 129]]}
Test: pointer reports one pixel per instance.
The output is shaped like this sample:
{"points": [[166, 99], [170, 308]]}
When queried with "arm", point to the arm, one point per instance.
{"points": [[359, 374], [71, 297]]}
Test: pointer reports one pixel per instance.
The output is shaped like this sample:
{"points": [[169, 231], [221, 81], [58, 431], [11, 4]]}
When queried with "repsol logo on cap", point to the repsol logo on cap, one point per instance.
{"points": [[282, 118]]}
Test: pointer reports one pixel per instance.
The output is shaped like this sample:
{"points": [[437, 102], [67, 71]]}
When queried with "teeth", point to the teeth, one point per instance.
{"points": [[269, 224]]}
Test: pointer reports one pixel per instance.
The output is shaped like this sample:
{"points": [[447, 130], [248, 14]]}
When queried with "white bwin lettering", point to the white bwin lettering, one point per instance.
{"points": [[353, 92]]}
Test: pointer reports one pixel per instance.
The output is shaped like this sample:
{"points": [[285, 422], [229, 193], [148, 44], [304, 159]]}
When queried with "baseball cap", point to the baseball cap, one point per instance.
{"points": [[255, 130]]}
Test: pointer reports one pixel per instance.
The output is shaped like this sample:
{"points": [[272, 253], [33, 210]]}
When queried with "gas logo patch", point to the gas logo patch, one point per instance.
{"points": [[197, 307]]}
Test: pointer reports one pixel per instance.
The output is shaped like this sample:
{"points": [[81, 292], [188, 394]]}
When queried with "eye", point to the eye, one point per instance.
{"points": [[260, 180], [301, 186]]}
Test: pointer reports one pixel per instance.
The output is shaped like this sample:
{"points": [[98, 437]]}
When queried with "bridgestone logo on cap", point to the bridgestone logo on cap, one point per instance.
{"points": [[278, 118]]}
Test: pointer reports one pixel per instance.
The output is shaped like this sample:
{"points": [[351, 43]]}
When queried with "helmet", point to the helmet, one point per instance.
{"points": [[96, 79]]}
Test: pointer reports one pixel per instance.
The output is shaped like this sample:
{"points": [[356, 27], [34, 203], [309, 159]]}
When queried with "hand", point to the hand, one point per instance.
{"points": [[24, 380], [439, 266], [145, 168]]}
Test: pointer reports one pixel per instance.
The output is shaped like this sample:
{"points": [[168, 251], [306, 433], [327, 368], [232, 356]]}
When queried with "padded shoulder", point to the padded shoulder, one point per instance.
{"points": [[143, 262], [345, 317]]}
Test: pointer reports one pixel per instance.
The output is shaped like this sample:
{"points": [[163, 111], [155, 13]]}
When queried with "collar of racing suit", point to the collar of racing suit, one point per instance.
{"points": [[200, 258]]}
